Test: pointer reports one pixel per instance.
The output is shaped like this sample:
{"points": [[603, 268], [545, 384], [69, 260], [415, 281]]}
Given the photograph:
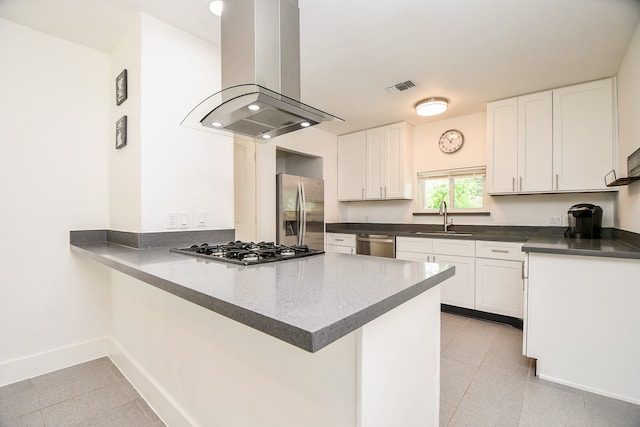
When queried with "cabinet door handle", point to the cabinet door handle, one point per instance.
{"points": [[557, 187], [513, 183], [363, 192], [380, 191], [520, 183], [339, 240], [500, 251], [385, 191]]}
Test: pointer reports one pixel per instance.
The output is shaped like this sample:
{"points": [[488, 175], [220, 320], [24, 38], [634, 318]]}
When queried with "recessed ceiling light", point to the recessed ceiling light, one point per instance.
{"points": [[216, 124], [431, 106], [305, 124], [216, 7], [265, 136], [254, 107]]}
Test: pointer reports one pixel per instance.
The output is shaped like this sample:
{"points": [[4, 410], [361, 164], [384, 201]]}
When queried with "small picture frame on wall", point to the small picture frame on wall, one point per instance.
{"points": [[121, 87], [121, 132]]}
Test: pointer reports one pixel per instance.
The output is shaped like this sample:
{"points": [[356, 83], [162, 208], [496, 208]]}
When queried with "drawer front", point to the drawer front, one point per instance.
{"points": [[414, 244], [454, 247], [341, 239], [414, 256], [341, 249], [499, 250]]}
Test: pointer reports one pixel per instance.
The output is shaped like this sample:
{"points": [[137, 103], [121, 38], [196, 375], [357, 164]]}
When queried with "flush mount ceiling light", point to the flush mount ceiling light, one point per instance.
{"points": [[431, 106], [216, 7]]}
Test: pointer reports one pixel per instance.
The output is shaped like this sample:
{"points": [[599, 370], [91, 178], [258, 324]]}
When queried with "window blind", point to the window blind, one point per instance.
{"points": [[453, 173]]}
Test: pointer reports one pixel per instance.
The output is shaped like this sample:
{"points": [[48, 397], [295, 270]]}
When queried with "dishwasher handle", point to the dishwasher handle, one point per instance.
{"points": [[374, 238]]}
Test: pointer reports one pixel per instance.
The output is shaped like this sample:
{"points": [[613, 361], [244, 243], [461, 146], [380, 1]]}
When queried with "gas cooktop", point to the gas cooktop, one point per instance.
{"points": [[247, 253]]}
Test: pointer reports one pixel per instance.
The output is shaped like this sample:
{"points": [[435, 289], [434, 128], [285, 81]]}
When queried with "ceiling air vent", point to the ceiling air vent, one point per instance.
{"points": [[399, 87]]}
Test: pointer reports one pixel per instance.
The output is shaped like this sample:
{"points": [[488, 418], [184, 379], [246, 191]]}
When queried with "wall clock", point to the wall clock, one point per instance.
{"points": [[451, 141]]}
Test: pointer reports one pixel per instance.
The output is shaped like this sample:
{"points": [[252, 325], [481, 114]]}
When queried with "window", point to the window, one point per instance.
{"points": [[462, 189]]}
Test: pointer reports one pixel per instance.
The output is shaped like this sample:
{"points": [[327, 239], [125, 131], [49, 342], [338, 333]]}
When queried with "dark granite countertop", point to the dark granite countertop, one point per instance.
{"points": [[308, 302], [606, 247], [614, 243]]}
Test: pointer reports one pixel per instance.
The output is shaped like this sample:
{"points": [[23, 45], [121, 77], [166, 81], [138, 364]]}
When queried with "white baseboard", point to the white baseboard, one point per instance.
{"points": [[15, 370], [159, 400], [171, 413], [630, 399]]}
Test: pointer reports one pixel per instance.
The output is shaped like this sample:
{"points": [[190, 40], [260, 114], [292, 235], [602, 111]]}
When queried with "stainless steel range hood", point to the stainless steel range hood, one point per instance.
{"points": [[260, 73]]}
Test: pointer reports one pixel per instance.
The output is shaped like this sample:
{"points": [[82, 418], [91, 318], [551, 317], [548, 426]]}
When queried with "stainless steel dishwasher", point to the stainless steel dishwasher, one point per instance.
{"points": [[383, 245]]}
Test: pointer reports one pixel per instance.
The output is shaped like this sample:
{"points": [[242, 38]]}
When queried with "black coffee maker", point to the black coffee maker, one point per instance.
{"points": [[585, 221]]}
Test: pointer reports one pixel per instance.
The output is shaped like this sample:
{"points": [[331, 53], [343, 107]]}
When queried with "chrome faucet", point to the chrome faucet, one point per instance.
{"points": [[443, 211]]}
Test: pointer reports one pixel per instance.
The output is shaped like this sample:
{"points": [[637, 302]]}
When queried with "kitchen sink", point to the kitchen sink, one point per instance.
{"points": [[441, 233]]}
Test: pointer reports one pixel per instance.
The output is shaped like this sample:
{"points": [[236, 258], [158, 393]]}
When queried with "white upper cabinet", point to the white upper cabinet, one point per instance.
{"points": [[502, 146], [519, 144], [554, 141], [535, 142], [351, 166], [583, 135], [375, 164]]}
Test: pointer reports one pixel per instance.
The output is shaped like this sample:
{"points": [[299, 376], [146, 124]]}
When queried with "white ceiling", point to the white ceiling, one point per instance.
{"points": [[470, 51]]}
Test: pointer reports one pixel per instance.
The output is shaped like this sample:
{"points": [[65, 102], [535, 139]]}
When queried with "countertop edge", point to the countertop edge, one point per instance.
{"points": [[322, 338], [579, 252], [283, 331], [310, 341]]}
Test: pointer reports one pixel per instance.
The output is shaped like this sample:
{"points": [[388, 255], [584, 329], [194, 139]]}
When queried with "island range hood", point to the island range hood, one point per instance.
{"points": [[260, 74]]}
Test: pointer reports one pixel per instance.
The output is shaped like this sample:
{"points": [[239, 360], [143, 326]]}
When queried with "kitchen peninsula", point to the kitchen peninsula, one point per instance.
{"points": [[357, 338]]}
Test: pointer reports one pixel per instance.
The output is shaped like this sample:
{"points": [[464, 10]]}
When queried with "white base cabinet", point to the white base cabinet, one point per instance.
{"points": [[489, 275], [499, 287], [343, 243], [458, 290], [582, 322], [499, 278]]}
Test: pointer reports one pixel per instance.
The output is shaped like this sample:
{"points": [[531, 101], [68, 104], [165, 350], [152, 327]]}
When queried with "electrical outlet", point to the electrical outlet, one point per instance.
{"points": [[172, 220], [555, 220]]}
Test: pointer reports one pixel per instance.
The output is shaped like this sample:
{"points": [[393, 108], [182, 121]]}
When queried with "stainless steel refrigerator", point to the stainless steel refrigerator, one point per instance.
{"points": [[300, 211]]}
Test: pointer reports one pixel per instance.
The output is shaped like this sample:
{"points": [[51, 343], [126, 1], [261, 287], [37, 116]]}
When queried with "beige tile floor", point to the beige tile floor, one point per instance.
{"points": [[485, 381], [90, 394]]}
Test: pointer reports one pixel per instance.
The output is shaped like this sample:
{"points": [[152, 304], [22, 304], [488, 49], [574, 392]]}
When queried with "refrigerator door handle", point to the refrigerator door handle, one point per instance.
{"points": [[298, 211], [303, 214]]}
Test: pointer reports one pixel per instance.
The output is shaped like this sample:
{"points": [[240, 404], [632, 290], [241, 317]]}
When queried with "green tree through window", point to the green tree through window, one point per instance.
{"points": [[460, 188]]}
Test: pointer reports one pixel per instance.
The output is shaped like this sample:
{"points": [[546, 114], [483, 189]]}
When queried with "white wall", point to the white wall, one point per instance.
{"points": [[166, 167], [182, 169], [629, 132], [533, 210], [125, 186], [54, 105]]}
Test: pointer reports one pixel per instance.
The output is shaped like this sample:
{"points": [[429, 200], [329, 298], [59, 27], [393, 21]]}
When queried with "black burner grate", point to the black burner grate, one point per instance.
{"points": [[247, 253]]}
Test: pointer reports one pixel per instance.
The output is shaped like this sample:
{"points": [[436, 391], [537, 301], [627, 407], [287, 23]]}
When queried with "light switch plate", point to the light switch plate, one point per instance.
{"points": [[172, 220], [183, 219], [201, 218]]}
